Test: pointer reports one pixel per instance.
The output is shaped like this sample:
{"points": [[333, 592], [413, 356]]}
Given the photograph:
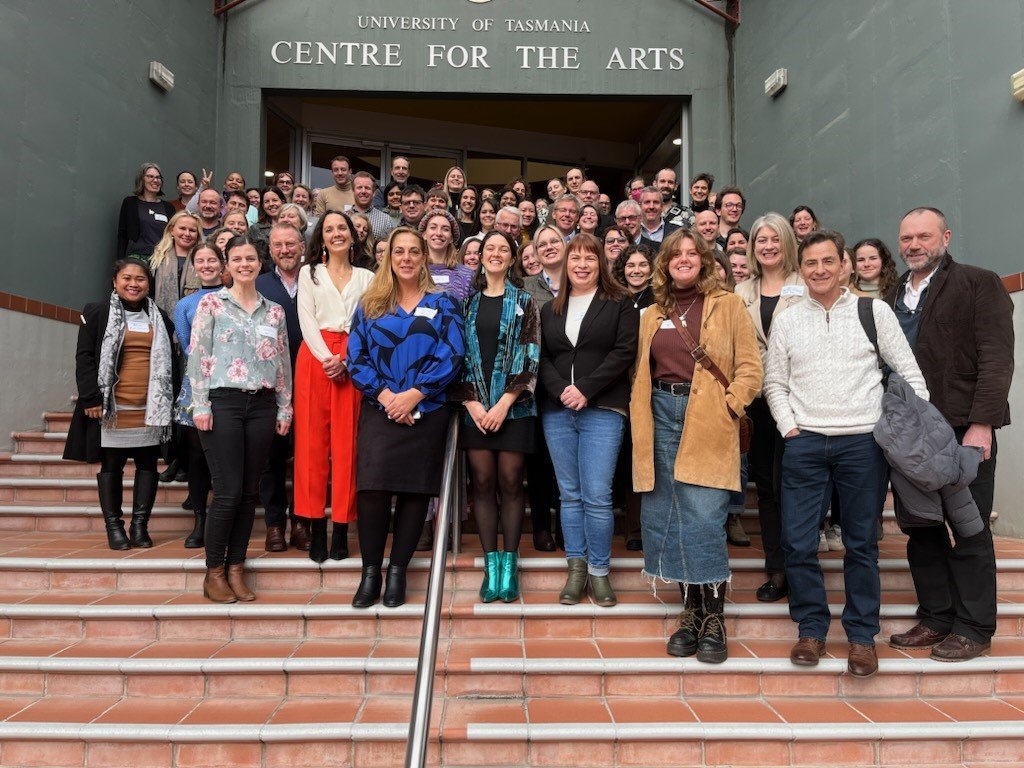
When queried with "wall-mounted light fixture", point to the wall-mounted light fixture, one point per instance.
{"points": [[776, 82], [161, 76], [269, 174], [1017, 81], [677, 142]]}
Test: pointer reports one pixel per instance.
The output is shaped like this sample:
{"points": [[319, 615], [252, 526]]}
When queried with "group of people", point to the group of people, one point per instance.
{"points": [[649, 357]]}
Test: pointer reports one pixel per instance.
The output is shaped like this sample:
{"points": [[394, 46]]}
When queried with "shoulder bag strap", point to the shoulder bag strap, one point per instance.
{"points": [[697, 351]]}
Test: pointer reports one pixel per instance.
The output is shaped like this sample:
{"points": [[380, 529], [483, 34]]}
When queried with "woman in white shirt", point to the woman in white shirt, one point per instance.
{"points": [[326, 403]]}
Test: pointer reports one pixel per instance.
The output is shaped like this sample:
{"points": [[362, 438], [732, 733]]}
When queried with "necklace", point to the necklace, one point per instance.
{"points": [[687, 311]]}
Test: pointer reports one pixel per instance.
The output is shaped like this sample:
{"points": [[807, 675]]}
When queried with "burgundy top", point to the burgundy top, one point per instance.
{"points": [[670, 359]]}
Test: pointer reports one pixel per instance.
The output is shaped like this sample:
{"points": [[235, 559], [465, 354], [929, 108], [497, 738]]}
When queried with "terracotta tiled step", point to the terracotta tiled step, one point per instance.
{"points": [[39, 442], [37, 559], [57, 421], [73, 490], [532, 668], [601, 732], [152, 615]]}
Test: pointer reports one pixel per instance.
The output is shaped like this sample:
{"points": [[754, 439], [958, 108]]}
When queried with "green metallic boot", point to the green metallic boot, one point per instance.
{"points": [[576, 583], [508, 591], [489, 589]]}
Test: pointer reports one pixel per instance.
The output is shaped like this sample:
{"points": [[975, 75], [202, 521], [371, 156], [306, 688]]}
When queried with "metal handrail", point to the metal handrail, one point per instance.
{"points": [[452, 488]]}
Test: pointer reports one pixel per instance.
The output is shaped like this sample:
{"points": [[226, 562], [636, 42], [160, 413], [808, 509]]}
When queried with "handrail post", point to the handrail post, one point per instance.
{"points": [[422, 699]]}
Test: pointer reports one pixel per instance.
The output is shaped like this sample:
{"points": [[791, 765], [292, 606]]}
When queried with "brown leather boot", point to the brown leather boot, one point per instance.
{"points": [[236, 582], [215, 586], [918, 636], [300, 533], [807, 651], [275, 539], [862, 660]]}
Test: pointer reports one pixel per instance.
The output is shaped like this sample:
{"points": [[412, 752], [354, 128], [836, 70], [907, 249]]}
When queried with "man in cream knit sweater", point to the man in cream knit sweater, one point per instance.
{"points": [[824, 387]]}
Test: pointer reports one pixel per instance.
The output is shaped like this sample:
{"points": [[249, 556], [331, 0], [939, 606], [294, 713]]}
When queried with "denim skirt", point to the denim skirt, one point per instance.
{"points": [[683, 525]]}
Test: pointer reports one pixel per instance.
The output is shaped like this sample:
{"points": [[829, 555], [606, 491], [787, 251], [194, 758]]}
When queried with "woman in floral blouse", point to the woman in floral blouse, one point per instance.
{"points": [[241, 379]]}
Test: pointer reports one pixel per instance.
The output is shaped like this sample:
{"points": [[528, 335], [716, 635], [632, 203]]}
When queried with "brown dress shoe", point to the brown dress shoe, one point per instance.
{"points": [[275, 539], [807, 651], [918, 636], [862, 660], [236, 582], [959, 648], [300, 533], [215, 586]]}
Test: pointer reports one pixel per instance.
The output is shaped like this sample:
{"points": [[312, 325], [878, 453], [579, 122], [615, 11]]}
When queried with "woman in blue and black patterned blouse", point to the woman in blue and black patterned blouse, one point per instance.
{"points": [[405, 347], [498, 380]]}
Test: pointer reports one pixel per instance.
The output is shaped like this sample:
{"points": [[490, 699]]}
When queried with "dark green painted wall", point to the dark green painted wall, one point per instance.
{"points": [[79, 114], [891, 104]]}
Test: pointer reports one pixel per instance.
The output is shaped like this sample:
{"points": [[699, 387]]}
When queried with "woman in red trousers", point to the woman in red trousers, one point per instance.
{"points": [[326, 403]]}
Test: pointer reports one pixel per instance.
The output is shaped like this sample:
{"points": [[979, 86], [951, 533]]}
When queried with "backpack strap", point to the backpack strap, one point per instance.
{"points": [[865, 312]]}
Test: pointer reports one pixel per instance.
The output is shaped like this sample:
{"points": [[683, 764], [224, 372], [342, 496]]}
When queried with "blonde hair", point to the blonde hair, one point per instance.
{"points": [[465, 178], [165, 248], [661, 281], [381, 297], [778, 224]]}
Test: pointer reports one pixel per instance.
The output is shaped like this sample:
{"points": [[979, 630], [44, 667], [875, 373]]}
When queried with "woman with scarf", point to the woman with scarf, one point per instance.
{"points": [[125, 397], [499, 375]]}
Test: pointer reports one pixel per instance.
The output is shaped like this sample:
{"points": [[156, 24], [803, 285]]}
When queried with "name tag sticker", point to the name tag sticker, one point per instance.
{"points": [[267, 330], [442, 279], [426, 312], [138, 326], [159, 217], [792, 290], [519, 311], [666, 325]]}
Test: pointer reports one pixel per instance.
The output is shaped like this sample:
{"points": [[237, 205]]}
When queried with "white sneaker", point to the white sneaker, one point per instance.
{"points": [[834, 537], [822, 543]]}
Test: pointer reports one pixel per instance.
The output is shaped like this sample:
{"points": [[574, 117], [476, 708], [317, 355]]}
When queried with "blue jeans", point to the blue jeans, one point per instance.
{"points": [[811, 464], [683, 524], [584, 446]]}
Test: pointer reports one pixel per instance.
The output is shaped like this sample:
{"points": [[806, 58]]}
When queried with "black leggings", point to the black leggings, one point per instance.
{"points": [[494, 474], [145, 458], [236, 450], [374, 508], [199, 482]]}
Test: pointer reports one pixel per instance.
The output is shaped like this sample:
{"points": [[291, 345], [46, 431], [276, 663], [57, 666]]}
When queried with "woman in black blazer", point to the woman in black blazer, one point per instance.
{"points": [[144, 216], [589, 334]]}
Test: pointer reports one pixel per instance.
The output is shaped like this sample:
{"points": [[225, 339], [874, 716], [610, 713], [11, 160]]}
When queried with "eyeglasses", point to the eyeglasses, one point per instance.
{"points": [[153, 177], [615, 241], [631, 217], [412, 202], [732, 205]]}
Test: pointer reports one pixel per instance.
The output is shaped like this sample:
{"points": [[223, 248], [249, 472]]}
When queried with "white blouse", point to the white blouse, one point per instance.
{"points": [[322, 307]]}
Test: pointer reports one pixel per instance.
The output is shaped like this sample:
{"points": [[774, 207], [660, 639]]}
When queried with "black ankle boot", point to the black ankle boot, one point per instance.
{"points": [[318, 540], [143, 497], [368, 591], [196, 539], [168, 475], [111, 489], [339, 541], [394, 587], [684, 640], [711, 645]]}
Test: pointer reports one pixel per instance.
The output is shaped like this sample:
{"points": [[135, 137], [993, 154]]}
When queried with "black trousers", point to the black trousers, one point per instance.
{"points": [[541, 488], [236, 450], [956, 582], [765, 462], [145, 458], [274, 483]]}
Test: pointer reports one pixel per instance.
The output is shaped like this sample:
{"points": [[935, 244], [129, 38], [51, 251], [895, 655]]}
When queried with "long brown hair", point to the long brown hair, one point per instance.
{"points": [[381, 296], [888, 277], [608, 288], [707, 280]]}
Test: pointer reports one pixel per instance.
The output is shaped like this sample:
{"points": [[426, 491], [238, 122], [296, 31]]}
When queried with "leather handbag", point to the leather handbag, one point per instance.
{"points": [[700, 356]]}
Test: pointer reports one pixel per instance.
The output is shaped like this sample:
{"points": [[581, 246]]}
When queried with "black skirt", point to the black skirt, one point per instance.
{"points": [[394, 457], [514, 435]]}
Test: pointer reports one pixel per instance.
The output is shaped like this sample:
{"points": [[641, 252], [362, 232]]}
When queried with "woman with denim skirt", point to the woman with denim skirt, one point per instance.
{"points": [[686, 457], [589, 333], [499, 375]]}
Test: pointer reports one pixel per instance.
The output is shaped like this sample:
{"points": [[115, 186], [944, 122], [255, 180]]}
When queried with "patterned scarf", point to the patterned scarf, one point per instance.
{"points": [[160, 394]]}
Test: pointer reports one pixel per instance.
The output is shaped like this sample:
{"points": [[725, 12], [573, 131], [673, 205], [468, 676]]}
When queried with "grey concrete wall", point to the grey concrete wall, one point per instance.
{"points": [[37, 370], [253, 28], [78, 117], [890, 104], [1009, 477]]}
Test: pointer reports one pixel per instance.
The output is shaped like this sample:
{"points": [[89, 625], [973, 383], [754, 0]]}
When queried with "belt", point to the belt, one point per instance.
{"points": [[676, 388]]}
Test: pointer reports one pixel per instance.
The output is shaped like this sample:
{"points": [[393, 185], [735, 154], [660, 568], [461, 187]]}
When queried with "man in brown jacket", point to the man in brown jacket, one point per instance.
{"points": [[959, 321]]}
